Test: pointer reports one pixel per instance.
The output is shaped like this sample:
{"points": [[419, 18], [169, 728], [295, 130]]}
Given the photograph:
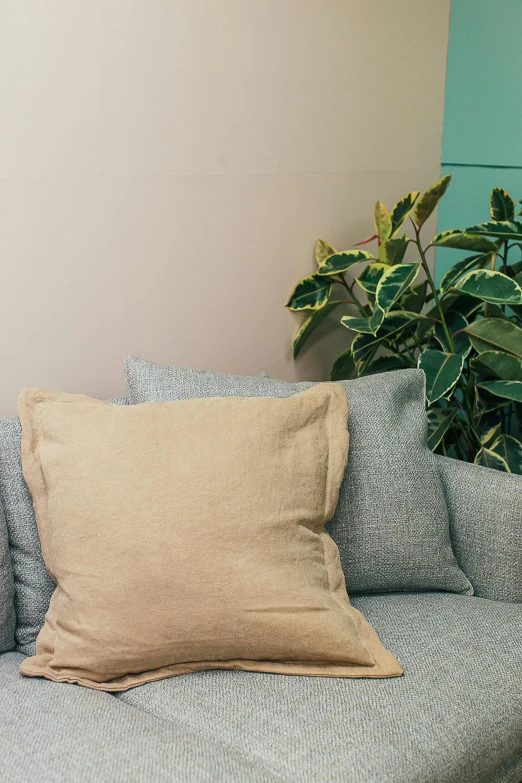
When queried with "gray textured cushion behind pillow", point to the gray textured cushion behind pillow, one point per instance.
{"points": [[391, 524], [7, 611], [32, 584]]}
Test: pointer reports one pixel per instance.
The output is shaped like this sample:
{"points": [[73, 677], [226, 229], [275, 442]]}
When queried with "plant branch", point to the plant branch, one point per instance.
{"points": [[354, 299]]}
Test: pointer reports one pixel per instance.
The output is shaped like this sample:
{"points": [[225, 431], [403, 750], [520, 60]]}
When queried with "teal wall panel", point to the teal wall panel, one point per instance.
{"points": [[467, 202], [482, 137], [483, 105]]}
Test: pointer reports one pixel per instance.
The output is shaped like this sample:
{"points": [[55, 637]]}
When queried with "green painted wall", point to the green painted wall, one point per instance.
{"points": [[482, 136]]}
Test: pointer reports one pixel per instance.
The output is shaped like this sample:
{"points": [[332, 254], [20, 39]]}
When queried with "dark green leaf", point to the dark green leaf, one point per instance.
{"points": [[490, 286], [515, 268], [311, 293], [394, 282], [442, 372], [489, 459], [460, 240], [439, 421], [310, 325], [501, 205], [510, 449], [509, 390], [323, 250], [507, 229], [461, 267], [495, 334], [461, 342], [343, 367], [341, 261], [382, 222], [401, 210], [387, 363], [429, 200], [370, 276], [501, 365], [367, 325], [392, 251], [413, 300]]}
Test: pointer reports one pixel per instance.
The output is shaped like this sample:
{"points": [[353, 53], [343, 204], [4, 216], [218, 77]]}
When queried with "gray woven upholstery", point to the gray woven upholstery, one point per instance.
{"points": [[57, 733], [391, 523], [7, 613], [454, 717], [486, 526], [33, 585]]}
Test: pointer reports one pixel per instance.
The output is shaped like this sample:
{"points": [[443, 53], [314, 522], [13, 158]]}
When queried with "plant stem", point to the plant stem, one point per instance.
{"points": [[356, 302], [431, 284]]}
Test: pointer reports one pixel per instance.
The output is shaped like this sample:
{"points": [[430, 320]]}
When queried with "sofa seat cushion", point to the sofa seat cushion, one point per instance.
{"points": [[58, 733], [454, 717]]}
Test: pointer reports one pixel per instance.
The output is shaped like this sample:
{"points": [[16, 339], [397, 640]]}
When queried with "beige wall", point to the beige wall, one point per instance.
{"points": [[168, 164]]}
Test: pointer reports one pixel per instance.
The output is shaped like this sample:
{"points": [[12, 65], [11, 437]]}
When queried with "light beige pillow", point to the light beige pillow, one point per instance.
{"points": [[190, 535]]}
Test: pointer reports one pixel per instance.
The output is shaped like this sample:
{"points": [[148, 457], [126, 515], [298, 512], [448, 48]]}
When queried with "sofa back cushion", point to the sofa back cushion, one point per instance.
{"points": [[7, 612], [32, 584], [391, 523], [190, 535], [485, 508]]}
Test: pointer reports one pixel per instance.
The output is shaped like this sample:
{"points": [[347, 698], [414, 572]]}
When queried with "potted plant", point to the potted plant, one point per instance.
{"points": [[466, 334]]}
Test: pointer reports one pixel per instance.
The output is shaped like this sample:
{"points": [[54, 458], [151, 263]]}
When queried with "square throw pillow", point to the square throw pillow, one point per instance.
{"points": [[190, 535], [391, 524], [32, 583], [7, 613]]}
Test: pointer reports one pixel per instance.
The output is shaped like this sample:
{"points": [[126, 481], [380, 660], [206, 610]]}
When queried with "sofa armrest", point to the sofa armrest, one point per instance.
{"points": [[485, 510]]}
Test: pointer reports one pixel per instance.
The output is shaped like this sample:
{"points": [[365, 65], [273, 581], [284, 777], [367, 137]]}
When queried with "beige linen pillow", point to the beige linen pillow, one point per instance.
{"points": [[190, 535]]}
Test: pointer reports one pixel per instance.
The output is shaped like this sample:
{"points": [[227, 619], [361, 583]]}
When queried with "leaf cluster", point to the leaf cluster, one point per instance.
{"points": [[466, 334]]}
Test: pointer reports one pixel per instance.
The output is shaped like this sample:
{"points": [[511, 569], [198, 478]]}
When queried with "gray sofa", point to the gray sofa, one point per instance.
{"points": [[454, 717]]}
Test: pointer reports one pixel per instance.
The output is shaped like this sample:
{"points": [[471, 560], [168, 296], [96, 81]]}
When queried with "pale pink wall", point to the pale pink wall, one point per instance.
{"points": [[168, 164]]}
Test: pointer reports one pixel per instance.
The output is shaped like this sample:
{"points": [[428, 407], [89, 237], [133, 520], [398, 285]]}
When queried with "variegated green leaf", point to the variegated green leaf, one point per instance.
{"points": [[323, 250], [490, 286], [508, 390], [310, 325], [510, 449], [366, 325], [455, 323], [439, 421], [461, 267], [392, 251], [401, 210], [364, 345], [490, 433], [414, 299], [503, 229], [394, 282], [460, 240], [343, 367], [501, 365], [311, 293], [429, 200], [382, 222], [370, 276], [488, 459], [501, 205], [442, 371], [495, 334], [341, 261]]}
